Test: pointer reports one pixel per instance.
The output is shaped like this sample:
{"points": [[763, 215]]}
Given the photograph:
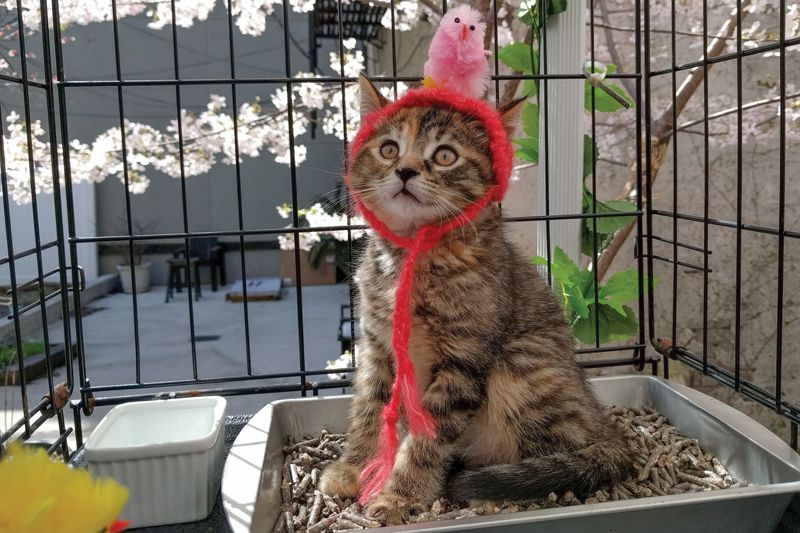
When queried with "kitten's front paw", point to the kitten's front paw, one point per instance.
{"points": [[340, 478], [393, 509]]}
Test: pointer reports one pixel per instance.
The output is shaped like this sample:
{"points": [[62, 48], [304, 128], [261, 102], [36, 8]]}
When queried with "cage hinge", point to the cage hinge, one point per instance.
{"points": [[87, 400], [81, 277], [666, 347], [61, 395]]}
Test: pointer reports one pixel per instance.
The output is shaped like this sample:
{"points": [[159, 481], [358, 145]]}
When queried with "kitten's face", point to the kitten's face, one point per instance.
{"points": [[424, 165]]}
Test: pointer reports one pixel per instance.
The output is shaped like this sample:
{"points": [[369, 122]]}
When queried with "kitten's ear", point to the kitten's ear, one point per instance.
{"points": [[371, 98], [510, 113]]}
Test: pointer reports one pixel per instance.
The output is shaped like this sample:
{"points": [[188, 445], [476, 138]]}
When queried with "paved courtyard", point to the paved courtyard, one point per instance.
{"points": [[166, 350]]}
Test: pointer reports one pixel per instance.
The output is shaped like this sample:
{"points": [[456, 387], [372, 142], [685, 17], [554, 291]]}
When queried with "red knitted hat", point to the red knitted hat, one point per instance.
{"points": [[420, 422]]}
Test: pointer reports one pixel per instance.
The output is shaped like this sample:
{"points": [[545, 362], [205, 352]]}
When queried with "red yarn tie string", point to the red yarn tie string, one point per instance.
{"points": [[405, 391]]}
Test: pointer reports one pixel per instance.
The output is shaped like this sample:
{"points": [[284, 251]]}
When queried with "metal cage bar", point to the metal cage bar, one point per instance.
{"points": [[50, 406], [673, 347]]}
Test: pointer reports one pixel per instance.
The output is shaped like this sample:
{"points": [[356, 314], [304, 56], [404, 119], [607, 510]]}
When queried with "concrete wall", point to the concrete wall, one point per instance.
{"points": [[24, 237], [759, 252]]}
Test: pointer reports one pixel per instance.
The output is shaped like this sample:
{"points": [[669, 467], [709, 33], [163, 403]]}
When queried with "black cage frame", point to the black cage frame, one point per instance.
{"points": [[654, 345]]}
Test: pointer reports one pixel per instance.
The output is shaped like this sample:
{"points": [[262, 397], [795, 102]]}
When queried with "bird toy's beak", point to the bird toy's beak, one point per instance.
{"points": [[464, 32]]}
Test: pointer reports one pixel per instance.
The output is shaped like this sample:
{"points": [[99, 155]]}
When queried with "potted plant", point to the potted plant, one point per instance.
{"points": [[326, 256], [134, 264], [140, 269]]}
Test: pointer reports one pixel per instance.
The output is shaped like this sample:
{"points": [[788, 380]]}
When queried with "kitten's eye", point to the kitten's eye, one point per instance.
{"points": [[445, 156], [471, 28], [457, 20], [389, 150]]}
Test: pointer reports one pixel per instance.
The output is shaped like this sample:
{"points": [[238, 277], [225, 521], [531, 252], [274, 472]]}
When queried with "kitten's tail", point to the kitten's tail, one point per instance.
{"points": [[582, 471]]}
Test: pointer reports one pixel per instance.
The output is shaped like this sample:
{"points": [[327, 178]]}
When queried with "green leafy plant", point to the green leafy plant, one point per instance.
{"points": [[615, 320], [329, 246], [332, 245], [8, 353], [609, 315], [605, 226]]}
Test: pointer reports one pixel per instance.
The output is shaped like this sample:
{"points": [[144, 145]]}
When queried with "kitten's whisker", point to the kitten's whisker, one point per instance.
{"points": [[332, 172], [459, 214], [454, 215], [453, 212]]}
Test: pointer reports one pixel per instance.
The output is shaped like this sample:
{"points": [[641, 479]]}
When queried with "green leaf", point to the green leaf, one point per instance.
{"points": [[607, 225], [603, 240], [554, 7], [589, 148], [622, 206], [584, 328], [530, 121], [610, 225], [613, 326], [574, 300], [529, 13], [530, 88], [539, 261], [604, 102], [529, 10], [620, 327], [529, 149], [562, 260], [562, 268], [518, 57], [586, 282], [613, 305], [624, 286]]}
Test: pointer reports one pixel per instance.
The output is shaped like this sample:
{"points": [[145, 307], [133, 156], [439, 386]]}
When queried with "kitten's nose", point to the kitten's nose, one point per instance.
{"points": [[406, 173]]}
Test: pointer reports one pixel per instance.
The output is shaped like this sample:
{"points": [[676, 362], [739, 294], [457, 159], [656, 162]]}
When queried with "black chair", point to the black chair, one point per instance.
{"points": [[209, 252], [175, 268]]}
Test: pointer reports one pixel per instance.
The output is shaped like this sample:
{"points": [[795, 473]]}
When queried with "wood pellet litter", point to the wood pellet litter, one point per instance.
{"points": [[666, 462]]}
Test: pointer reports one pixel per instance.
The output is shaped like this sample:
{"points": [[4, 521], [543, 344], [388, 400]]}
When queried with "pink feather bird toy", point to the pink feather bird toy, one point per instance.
{"points": [[456, 58]]}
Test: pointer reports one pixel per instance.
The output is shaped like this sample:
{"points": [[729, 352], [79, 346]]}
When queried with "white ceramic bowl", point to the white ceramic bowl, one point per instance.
{"points": [[168, 453]]}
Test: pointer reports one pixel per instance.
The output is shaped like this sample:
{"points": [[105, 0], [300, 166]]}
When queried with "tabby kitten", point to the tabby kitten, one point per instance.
{"points": [[492, 351]]}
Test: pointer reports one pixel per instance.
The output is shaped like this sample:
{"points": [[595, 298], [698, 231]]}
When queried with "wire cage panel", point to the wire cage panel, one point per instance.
{"points": [[685, 249]]}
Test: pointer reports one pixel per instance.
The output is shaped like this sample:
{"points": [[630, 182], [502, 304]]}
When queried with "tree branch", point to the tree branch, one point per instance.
{"points": [[607, 26], [663, 129], [436, 8], [732, 110], [663, 126]]}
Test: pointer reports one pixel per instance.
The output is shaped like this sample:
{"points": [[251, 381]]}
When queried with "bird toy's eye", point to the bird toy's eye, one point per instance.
{"points": [[445, 156], [457, 20], [389, 150], [471, 28]]}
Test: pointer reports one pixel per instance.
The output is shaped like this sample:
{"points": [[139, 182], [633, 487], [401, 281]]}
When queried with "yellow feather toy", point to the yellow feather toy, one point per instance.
{"points": [[39, 494]]}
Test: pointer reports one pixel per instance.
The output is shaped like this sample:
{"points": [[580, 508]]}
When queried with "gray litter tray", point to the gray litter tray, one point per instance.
{"points": [[252, 478]]}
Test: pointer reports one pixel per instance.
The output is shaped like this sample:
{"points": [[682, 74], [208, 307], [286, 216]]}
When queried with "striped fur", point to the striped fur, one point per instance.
{"points": [[490, 346]]}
